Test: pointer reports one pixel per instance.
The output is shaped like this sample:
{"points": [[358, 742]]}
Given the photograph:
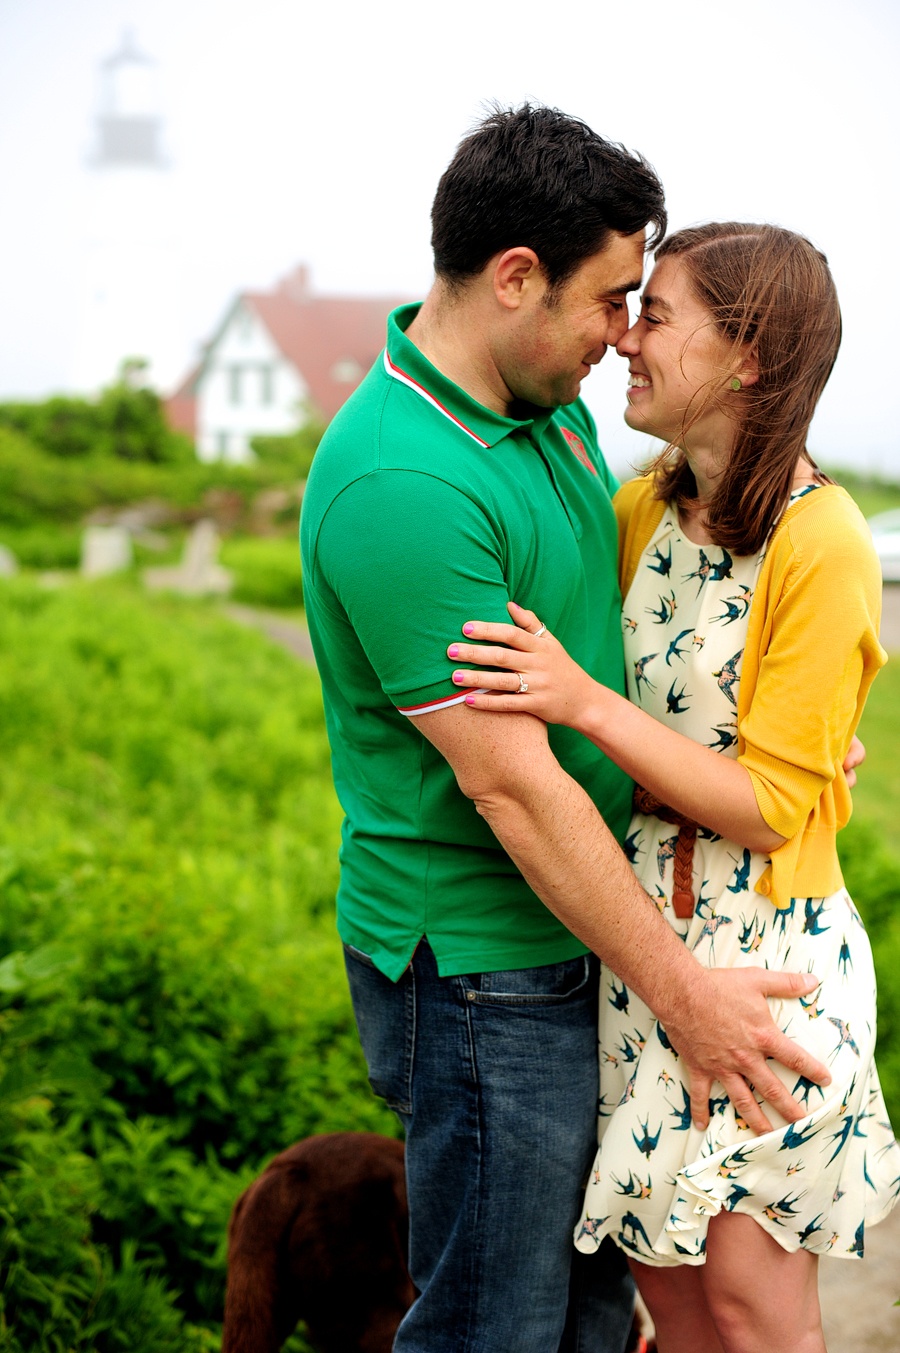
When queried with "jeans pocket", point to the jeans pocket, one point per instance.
{"points": [[552, 984], [385, 1018]]}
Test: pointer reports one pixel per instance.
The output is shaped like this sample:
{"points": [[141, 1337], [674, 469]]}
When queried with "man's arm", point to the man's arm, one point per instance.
{"points": [[717, 1019]]}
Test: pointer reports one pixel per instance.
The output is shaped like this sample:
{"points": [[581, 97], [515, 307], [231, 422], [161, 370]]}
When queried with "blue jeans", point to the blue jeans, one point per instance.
{"points": [[494, 1077]]}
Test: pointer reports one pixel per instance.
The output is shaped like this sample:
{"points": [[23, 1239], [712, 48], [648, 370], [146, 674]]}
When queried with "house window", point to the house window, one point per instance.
{"points": [[266, 385], [234, 385]]}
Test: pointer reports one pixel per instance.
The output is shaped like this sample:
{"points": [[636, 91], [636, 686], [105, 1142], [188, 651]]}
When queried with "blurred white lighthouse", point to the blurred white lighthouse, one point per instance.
{"points": [[129, 304]]}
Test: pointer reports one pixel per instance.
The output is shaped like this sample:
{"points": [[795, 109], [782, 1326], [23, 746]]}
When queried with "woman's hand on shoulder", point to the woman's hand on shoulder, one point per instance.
{"points": [[537, 675]]}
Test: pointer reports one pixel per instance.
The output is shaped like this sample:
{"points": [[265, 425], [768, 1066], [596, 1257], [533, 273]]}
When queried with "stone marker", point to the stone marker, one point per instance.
{"points": [[105, 549], [198, 573]]}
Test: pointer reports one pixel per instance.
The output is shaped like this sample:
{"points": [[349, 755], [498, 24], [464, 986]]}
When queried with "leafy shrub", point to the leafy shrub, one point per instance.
{"points": [[171, 986], [267, 570], [39, 488], [294, 452], [123, 422], [872, 876], [43, 546]]}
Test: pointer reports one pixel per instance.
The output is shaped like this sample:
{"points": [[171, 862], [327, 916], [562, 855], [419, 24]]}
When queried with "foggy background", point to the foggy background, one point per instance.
{"points": [[303, 133]]}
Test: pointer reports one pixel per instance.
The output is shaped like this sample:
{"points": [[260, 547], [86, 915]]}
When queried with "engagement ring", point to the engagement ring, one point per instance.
{"points": [[523, 685]]}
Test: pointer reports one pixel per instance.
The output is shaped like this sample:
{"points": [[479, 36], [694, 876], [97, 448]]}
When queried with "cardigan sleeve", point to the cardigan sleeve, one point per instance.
{"points": [[820, 655]]}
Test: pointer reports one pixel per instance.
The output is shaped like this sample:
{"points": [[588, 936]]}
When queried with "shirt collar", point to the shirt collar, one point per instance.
{"points": [[404, 362]]}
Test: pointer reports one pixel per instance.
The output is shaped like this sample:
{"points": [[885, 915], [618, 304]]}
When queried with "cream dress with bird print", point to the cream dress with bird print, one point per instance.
{"points": [[657, 1180]]}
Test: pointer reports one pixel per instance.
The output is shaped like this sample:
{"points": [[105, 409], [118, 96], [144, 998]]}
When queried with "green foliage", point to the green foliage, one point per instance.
{"points": [[871, 492], [877, 792], [124, 422], [44, 546], [172, 1004], [267, 570], [292, 453], [38, 489], [872, 876]]}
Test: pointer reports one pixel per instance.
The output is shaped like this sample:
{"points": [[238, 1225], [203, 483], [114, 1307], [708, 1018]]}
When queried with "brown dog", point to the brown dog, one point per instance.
{"points": [[321, 1236]]}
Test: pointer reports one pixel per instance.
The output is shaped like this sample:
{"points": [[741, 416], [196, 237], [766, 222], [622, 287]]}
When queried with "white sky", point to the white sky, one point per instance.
{"points": [[301, 132]]}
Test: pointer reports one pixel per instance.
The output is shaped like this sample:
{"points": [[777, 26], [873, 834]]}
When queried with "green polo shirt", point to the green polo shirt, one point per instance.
{"points": [[423, 510]]}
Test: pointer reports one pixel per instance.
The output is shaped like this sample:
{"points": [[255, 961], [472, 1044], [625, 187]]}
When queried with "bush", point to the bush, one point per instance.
{"points": [[292, 453], [172, 1004], [872, 876], [126, 423], [267, 570], [43, 546]]}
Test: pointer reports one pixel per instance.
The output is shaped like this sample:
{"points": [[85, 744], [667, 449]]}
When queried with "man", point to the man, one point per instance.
{"points": [[480, 856]]}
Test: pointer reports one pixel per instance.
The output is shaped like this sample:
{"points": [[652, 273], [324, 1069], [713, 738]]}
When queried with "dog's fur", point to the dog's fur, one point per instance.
{"points": [[321, 1236]]}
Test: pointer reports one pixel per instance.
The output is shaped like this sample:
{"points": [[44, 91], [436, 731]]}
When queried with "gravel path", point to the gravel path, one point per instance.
{"points": [[857, 1297]]}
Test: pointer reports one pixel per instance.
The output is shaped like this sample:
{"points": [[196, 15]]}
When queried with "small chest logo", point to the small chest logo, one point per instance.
{"points": [[577, 446]]}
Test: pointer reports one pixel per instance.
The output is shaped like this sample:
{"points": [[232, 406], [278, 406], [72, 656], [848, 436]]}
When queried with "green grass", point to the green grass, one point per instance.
{"points": [[871, 492], [876, 797]]}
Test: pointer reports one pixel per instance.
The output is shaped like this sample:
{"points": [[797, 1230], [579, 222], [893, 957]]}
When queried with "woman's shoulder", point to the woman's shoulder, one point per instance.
{"points": [[824, 524]]}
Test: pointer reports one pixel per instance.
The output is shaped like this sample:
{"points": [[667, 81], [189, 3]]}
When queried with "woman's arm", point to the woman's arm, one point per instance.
{"points": [[710, 789]]}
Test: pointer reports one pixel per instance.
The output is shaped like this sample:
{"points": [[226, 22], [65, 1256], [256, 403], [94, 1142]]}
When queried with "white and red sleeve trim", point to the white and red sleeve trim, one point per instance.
{"points": [[397, 374], [442, 702]]}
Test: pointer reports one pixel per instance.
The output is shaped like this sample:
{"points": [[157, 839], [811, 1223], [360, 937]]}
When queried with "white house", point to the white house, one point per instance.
{"points": [[277, 359]]}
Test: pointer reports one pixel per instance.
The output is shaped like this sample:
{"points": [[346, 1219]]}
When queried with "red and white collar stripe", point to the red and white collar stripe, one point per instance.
{"points": [[401, 376]]}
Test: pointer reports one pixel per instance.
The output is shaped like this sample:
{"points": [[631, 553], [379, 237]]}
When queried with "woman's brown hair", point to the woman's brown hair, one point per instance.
{"points": [[770, 291]]}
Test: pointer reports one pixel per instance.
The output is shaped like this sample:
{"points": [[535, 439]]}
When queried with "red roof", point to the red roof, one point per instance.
{"points": [[325, 337], [331, 340]]}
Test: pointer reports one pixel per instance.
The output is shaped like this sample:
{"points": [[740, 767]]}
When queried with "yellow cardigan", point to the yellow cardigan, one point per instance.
{"points": [[811, 654]]}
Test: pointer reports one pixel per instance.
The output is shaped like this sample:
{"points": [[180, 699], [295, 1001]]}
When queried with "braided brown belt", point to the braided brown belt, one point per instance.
{"points": [[683, 895]]}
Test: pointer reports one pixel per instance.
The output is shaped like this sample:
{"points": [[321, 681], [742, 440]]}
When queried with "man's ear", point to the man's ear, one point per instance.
{"points": [[517, 276]]}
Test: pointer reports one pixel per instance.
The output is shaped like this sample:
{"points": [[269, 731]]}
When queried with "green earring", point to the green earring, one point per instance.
{"points": [[735, 383]]}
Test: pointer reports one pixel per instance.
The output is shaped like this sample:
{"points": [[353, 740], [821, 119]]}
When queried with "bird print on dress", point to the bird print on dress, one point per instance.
{"points": [[708, 570], [666, 851], [665, 610], [845, 962], [726, 736], [673, 651], [812, 913], [640, 668], [647, 1143], [728, 677], [736, 607], [741, 874], [752, 933], [673, 700], [663, 562], [632, 845], [800, 1180]]}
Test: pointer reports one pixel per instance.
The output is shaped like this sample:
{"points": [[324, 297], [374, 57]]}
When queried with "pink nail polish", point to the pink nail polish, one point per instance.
{"points": [[453, 650], [458, 678], [470, 699], [467, 629]]}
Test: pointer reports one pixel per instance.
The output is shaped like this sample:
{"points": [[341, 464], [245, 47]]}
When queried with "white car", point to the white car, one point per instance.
{"points": [[885, 528]]}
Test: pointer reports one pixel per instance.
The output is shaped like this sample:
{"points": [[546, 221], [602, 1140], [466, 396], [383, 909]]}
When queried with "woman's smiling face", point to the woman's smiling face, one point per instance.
{"points": [[676, 359]]}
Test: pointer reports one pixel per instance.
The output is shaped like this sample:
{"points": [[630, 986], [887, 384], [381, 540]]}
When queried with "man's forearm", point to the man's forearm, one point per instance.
{"points": [[565, 851]]}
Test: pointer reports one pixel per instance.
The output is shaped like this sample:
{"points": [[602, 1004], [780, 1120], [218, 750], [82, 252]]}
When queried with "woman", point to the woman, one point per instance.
{"points": [[751, 599]]}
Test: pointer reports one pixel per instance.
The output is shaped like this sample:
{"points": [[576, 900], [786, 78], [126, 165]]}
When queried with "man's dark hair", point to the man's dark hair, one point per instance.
{"points": [[533, 176]]}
